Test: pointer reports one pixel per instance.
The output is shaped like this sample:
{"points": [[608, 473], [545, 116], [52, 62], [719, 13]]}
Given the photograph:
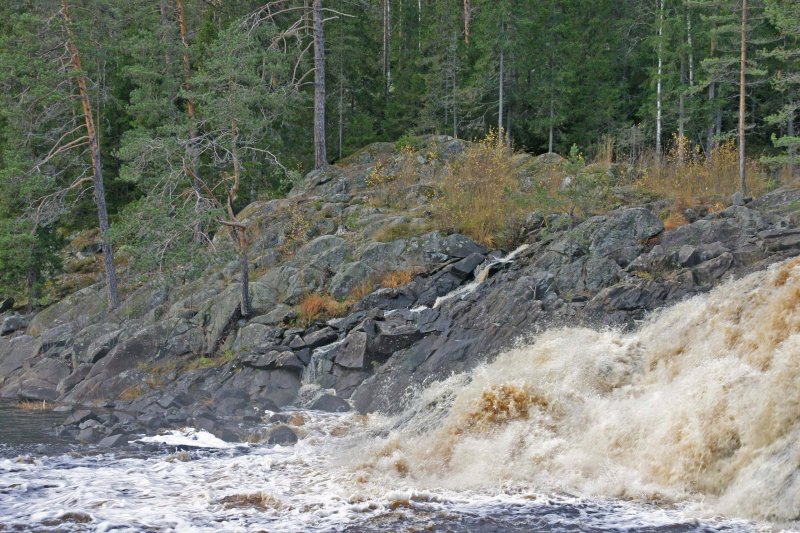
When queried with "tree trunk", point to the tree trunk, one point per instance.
{"points": [[467, 16], [792, 153], [341, 108], [320, 151], [500, 96], [197, 183], [550, 135], [97, 168], [682, 119], [742, 88], [658, 80], [239, 231], [689, 43], [387, 70], [712, 95]]}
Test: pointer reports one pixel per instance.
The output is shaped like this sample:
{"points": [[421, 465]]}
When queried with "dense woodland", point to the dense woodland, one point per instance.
{"points": [[156, 121]]}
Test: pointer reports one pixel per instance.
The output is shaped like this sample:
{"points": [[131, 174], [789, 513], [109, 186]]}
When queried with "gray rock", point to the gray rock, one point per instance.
{"points": [[348, 278], [711, 271], [100, 347], [688, 256], [353, 352], [79, 416], [466, 267], [330, 404], [13, 323], [280, 314], [320, 337], [114, 441], [282, 435], [737, 198]]}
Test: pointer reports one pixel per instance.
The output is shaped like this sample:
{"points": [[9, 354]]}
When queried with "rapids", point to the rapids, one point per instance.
{"points": [[692, 417]]}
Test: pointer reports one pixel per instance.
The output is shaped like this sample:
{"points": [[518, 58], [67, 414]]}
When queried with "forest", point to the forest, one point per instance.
{"points": [[157, 121]]}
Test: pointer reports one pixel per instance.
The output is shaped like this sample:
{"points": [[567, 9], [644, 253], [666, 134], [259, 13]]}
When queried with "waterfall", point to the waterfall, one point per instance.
{"points": [[702, 402], [481, 274]]}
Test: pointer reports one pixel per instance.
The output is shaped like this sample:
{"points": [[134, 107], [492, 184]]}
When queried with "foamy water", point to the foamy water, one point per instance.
{"points": [[690, 423]]}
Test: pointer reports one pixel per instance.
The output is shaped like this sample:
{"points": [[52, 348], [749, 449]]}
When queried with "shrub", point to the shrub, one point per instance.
{"points": [[478, 190]]}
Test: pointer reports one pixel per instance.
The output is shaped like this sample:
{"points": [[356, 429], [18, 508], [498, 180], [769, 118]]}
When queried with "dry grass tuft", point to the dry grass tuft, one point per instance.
{"points": [[394, 280], [320, 306], [131, 393], [690, 179], [34, 405]]}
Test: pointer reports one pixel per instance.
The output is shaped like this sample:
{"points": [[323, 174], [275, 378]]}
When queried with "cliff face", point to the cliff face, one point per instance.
{"points": [[414, 304]]}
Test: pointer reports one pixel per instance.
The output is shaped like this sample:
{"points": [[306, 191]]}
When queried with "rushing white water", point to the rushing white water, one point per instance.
{"points": [[701, 403], [481, 274], [694, 416]]}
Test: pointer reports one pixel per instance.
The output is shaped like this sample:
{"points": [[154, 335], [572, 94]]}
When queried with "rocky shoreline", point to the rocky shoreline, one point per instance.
{"points": [[179, 353]]}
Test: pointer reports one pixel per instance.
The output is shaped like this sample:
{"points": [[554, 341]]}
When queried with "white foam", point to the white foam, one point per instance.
{"points": [[189, 437]]}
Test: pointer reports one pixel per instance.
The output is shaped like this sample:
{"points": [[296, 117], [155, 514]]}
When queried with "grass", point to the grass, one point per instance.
{"points": [[688, 178], [132, 393], [33, 405], [396, 279], [204, 362], [401, 231], [320, 306]]}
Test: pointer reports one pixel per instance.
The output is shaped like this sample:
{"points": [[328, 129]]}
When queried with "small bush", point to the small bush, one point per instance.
{"points": [[409, 141], [131, 393], [393, 280], [478, 191]]}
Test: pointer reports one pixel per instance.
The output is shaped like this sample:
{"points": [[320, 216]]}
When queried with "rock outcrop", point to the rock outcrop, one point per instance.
{"points": [[179, 353]]}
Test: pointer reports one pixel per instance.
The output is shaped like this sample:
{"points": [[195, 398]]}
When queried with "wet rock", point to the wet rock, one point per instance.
{"points": [[465, 267], [353, 352], [282, 435], [711, 271], [114, 441], [89, 435], [780, 239], [385, 338], [330, 404], [78, 417]]}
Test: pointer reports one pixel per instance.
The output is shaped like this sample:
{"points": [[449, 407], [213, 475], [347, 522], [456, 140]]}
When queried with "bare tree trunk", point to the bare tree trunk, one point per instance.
{"points": [[658, 80], [387, 69], [500, 95], [552, 119], [790, 132], [467, 16], [239, 231], [97, 168], [742, 88], [320, 151], [197, 183], [712, 95], [163, 9], [341, 108], [689, 41], [682, 118]]}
